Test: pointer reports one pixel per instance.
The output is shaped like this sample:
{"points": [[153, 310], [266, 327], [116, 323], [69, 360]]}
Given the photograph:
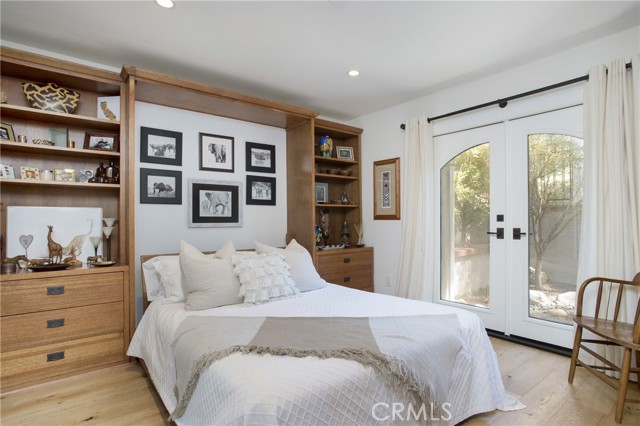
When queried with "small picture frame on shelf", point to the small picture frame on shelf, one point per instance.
{"points": [[216, 153], [84, 175], [214, 204], [160, 146], [261, 190], [162, 186], [7, 172], [322, 192], [29, 173], [6, 132], [260, 158], [64, 175], [344, 153], [101, 141], [109, 108]]}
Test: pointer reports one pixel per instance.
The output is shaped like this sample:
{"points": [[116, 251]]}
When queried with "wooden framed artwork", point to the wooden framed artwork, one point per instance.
{"points": [[214, 204], [344, 152], [101, 141], [260, 158], [6, 132], [322, 192], [160, 146], [160, 186], [216, 153], [386, 189], [261, 190]]}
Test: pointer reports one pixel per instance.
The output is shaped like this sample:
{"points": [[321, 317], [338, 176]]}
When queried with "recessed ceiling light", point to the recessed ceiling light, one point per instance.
{"points": [[165, 3], [353, 73]]}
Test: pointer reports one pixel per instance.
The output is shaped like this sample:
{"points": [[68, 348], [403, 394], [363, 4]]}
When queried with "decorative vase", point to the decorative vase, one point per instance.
{"points": [[51, 97], [326, 146]]}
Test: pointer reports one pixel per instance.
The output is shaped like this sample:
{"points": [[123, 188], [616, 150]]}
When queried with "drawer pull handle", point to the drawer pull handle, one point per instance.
{"points": [[55, 356], [347, 260], [54, 291], [346, 279], [55, 323]]}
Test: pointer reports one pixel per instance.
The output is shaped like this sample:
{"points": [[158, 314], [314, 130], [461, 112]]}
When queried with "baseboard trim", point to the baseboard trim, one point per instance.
{"points": [[531, 343]]}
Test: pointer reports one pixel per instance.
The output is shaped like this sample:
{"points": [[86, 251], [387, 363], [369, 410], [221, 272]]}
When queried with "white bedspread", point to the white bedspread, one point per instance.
{"points": [[267, 390]]}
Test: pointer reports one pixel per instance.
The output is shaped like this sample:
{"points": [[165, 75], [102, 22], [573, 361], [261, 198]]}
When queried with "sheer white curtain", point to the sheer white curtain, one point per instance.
{"points": [[417, 245], [610, 237]]}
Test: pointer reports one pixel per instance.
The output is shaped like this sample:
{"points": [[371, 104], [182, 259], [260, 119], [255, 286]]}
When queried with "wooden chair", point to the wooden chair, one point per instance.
{"points": [[604, 324]]}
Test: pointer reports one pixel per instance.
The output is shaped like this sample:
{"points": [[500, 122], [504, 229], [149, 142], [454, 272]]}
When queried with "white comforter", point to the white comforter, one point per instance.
{"points": [[267, 390]]}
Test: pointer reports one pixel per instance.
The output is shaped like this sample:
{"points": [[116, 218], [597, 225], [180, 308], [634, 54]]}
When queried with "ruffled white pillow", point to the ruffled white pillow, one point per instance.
{"points": [[303, 273], [263, 277]]}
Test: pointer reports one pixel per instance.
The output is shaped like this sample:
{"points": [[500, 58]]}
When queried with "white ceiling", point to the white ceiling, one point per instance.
{"points": [[299, 52]]}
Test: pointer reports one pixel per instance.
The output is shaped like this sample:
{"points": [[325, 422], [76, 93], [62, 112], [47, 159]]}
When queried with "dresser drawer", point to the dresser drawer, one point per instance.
{"points": [[44, 294], [37, 364], [42, 328], [360, 279], [338, 261]]}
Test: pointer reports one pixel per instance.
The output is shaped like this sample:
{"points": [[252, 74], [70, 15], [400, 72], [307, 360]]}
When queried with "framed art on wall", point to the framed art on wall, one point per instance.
{"points": [[386, 189], [260, 157], [261, 190], [214, 204], [160, 146], [216, 153], [160, 186]]}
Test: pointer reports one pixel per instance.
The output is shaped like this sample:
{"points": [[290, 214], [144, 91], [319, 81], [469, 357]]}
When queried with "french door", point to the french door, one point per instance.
{"points": [[510, 204]]}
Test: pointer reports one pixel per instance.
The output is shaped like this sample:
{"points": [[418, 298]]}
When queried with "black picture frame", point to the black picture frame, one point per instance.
{"points": [[215, 204], [260, 158], [261, 190], [217, 153], [151, 191], [160, 146]]}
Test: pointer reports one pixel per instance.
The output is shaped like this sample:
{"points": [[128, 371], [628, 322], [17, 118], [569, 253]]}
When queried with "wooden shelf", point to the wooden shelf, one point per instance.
{"points": [[26, 113], [342, 206], [7, 146], [342, 162], [47, 183], [326, 176]]}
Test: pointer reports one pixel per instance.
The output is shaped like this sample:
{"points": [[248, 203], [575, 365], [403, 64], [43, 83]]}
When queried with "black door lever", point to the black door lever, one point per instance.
{"points": [[499, 233], [517, 234]]}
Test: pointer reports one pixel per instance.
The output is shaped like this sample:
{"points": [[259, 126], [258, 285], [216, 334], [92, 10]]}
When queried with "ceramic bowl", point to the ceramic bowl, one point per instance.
{"points": [[51, 97], [346, 172]]}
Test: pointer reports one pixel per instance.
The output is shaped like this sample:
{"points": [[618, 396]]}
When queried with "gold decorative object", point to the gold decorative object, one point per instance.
{"points": [[43, 142], [107, 112], [55, 249], [72, 260], [51, 97]]}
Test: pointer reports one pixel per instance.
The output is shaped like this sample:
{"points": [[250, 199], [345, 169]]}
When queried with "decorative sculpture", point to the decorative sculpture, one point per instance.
{"points": [[345, 234], [324, 225], [55, 249], [358, 228], [72, 260]]}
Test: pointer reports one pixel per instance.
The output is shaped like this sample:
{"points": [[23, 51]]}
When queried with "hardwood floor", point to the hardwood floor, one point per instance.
{"points": [[123, 395]]}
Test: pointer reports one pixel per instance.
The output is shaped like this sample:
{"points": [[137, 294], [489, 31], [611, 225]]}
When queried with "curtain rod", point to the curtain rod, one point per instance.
{"points": [[503, 102]]}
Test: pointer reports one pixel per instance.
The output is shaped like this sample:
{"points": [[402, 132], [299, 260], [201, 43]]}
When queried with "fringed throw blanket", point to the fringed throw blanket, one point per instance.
{"points": [[413, 354]]}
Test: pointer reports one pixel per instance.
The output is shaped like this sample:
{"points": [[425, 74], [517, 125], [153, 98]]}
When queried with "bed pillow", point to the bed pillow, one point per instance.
{"points": [[226, 251], [152, 280], [168, 268], [208, 282], [303, 273], [263, 277]]}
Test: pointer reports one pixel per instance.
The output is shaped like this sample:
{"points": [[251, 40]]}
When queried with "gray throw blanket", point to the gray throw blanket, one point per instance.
{"points": [[413, 354]]}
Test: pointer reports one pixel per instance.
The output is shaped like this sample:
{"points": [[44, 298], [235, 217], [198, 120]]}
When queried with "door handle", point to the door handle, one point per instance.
{"points": [[517, 234], [499, 233]]}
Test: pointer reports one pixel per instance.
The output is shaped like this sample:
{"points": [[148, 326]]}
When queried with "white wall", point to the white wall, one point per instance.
{"points": [[160, 227], [382, 137]]}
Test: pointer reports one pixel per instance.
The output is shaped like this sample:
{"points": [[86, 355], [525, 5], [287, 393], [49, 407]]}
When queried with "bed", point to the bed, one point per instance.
{"points": [[247, 388]]}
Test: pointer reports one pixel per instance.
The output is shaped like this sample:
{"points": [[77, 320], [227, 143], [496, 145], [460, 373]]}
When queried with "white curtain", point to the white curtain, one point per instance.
{"points": [[417, 186], [610, 234]]}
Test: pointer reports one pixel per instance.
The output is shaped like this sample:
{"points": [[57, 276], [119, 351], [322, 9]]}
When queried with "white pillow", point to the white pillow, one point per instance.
{"points": [[303, 273], [208, 282], [226, 251], [263, 277], [168, 268], [152, 280]]}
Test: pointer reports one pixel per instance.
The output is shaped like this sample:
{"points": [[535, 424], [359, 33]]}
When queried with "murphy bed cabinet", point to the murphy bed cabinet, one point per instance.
{"points": [[60, 323]]}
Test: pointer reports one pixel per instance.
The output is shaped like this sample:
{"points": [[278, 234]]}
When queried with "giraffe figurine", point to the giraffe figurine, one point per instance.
{"points": [[55, 249]]}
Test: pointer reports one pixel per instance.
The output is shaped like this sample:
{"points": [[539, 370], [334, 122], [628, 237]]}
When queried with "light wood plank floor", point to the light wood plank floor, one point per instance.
{"points": [[123, 395]]}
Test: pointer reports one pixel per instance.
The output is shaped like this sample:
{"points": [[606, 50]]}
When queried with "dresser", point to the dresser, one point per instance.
{"points": [[350, 267], [56, 324]]}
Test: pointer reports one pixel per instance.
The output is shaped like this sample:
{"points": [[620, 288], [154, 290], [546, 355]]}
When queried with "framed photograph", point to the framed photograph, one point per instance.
{"points": [[64, 175], [344, 152], [29, 173], [160, 146], [160, 186], [101, 141], [261, 190], [386, 189], [84, 175], [214, 204], [6, 132], [260, 158], [6, 171], [322, 192], [216, 153]]}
